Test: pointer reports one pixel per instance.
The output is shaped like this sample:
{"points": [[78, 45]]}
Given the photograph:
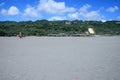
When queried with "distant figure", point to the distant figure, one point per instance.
{"points": [[19, 35]]}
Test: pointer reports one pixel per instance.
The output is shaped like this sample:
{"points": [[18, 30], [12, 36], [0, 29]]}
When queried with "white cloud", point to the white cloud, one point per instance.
{"points": [[93, 15], [85, 8], [1, 4], [57, 18], [118, 17], [30, 11], [4, 12], [112, 9], [52, 7], [74, 15], [89, 15], [12, 11], [47, 6], [84, 13]]}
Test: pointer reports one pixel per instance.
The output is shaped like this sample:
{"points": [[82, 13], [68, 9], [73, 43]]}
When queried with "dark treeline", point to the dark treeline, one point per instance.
{"points": [[45, 27]]}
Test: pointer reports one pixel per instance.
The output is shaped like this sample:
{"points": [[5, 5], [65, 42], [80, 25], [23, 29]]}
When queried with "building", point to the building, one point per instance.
{"points": [[67, 22]]}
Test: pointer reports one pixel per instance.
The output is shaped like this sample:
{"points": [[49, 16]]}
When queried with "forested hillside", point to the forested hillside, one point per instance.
{"points": [[45, 27]]}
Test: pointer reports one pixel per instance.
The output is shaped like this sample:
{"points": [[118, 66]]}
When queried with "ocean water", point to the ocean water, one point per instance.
{"points": [[60, 58]]}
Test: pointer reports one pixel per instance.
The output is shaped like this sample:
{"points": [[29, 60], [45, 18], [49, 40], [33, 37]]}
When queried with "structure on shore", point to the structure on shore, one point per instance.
{"points": [[87, 33], [91, 31]]}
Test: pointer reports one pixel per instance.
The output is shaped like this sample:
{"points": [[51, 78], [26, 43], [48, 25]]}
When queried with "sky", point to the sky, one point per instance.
{"points": [[24, 10]]}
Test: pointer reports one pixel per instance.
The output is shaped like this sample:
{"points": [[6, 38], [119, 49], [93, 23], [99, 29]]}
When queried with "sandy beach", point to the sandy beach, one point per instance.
{"points": [[60, 58]]}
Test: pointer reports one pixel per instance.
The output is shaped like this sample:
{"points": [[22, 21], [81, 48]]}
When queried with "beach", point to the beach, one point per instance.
{"points": [[60, 58]]}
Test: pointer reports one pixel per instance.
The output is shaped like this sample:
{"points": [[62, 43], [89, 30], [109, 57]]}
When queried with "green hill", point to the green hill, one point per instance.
{"points": [[45, 27]]}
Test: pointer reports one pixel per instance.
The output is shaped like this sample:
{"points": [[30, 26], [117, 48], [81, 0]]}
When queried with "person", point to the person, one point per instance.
{"points": [[19, 35]]}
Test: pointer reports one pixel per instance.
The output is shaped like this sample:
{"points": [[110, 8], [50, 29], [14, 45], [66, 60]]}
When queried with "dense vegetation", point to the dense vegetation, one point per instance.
{"points": [[44, 27]]}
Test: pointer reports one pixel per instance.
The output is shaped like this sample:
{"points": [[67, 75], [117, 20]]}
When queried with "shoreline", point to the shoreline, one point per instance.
{"points": [[67, 36]]}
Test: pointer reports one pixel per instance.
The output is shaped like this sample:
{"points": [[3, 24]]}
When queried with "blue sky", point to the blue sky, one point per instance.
{"points": [[22, 10]]}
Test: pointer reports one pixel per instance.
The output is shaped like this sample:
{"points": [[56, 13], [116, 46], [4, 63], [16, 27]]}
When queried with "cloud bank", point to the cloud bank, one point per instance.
{"points": [[57, 10], [30, 11], [112, 9], [84, 13], [12, 11], [52, 7]]}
